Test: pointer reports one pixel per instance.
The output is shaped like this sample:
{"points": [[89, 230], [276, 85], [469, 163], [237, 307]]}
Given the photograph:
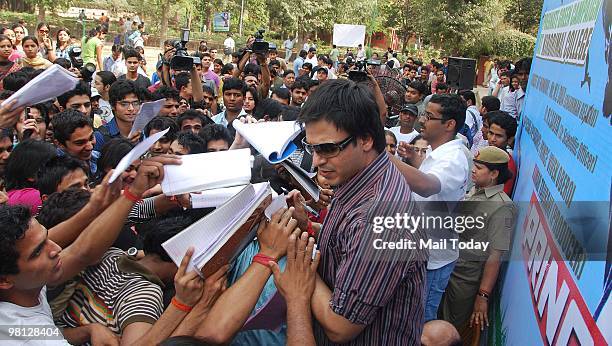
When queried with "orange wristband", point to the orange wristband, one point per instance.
{"points": [[180, 306], [262, 259], [130, 196]]}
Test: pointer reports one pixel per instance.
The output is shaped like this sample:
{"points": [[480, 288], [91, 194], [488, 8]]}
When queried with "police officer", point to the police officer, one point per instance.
{"points": [[466, 300]]}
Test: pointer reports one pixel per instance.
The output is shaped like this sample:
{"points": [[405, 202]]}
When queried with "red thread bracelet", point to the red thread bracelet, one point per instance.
{"points": [[181, 306], [130, 196], [310, 230], [262, 259]]}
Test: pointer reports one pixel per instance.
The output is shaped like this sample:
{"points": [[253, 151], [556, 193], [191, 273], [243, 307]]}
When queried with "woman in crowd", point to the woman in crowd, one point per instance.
{"points": [[251, 99], [63, 46], [19, 35], [15, 54], [465, 303], [391, 142], [419, 146], [45, 44], [92, 45], [6, 65], [32, 59]]}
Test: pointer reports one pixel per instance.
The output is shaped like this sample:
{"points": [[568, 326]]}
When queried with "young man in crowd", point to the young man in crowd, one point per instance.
{"points": [[299, 92], [192, 120], [472, 116], [207, 71], [102, 83], [502, 129], [79, 99], [73, 135], [111, 60], [233, 97], [438, 184], [158, 124], [288, 79], [171, 105], [298, 62], [415, 92], [61, 173], [132, 60], [124, 97], [488, 104], [187, 143], [405, 132], [6, 146], [216, 137]]}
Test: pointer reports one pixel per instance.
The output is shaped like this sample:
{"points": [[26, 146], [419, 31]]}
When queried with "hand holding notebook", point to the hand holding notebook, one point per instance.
{"points": [[272, 139]]}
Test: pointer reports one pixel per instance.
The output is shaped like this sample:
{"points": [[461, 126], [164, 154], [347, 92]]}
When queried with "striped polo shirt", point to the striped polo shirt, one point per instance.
{"points": [[382, 289]]}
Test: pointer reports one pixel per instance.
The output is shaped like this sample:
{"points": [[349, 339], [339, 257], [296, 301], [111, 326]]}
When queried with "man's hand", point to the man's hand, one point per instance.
{"points": [[479, 316], [3, 197], [295, 199], [135, 137], [261, 58], [105, 194], [214, 286], [151, 172], [274, 234], [32, 125], [297, 282], [325, 196], [188, 286], [406, 151], [100, 335], [10, 116]]}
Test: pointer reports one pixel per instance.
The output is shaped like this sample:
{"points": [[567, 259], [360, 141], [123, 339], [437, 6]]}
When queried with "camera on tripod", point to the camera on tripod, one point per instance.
{"points": [[182, 61], [86, 70], [260, 46]]}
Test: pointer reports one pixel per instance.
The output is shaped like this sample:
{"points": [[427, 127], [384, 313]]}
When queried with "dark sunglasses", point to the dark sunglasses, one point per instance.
{"points": [[327, 150]]}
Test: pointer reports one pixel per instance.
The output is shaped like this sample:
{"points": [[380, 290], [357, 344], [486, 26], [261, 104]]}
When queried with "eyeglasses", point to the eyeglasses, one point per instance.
{"points": [[127, 104], [327, 150], [428, 116], [43, 31]]}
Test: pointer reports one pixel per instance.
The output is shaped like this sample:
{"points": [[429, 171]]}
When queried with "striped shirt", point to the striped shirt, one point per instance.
{"points": [[115, 293], [382, 289]]}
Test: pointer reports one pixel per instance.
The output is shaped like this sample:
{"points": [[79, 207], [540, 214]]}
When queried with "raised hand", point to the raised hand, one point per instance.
{"points": [[188, 285], [274, 235]]}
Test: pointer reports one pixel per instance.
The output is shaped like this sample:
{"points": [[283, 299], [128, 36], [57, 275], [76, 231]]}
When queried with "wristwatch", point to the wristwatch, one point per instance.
{"points": [[132, 251]]}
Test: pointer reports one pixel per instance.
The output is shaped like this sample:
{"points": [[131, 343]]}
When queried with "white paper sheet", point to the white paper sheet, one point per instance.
{"points": [[48, 85], [200, 172], [148, 111], [215, 197], [271, 138], [136, 153], [278, 202]]}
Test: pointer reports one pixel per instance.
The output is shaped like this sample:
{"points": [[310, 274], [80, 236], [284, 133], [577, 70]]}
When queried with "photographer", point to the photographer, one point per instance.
{"points": [[264, 86]]}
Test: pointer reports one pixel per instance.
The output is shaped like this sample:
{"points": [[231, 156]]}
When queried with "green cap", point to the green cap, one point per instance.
{"points": [[492, 155]]}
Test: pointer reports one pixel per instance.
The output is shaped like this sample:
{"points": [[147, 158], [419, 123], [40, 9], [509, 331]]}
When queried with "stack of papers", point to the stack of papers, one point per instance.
{"points": [[200, 172], [272, 139], [53, 82]]}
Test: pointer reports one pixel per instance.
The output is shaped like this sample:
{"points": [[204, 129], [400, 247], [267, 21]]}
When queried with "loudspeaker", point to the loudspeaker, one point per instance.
{"points": [[461, 73]]}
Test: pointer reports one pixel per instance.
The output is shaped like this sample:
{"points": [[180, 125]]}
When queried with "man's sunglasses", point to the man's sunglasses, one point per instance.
{"points": [[327, 150]]}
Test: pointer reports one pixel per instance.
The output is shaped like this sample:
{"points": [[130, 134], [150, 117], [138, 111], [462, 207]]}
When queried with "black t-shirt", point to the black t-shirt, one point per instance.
{"points": [[142, 81]]}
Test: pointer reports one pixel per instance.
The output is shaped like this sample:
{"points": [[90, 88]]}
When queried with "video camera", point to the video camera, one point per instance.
{"points": [[260, 46], [360, 73], [182, 61], [86, 70]]}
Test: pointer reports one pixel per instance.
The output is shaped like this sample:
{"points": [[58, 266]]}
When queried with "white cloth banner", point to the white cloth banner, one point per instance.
{"points": [[348, 35]]}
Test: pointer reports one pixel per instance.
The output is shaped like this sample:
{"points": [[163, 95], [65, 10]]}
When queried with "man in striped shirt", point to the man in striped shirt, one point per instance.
{"points": [[364, 295]]}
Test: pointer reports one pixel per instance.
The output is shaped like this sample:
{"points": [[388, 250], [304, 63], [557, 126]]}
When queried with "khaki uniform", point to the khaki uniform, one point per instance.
{"points": [[500, 215]]}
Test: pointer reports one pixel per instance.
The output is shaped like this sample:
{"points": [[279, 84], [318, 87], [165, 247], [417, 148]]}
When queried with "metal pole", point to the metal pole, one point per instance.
{"points": [[241, 15]]}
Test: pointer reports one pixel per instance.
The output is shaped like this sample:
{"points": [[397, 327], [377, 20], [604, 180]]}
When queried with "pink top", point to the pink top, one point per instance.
{"points": [[16, 55]]}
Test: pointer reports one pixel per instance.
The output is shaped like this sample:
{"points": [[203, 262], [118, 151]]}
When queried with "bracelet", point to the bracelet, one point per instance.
{"points": [[181, 306], [483, 294], [130, 196], [262, 259], [310, 230]]}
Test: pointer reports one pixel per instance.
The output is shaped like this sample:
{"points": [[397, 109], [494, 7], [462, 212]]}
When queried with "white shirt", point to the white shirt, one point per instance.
{"points": [[449, 164], [403, 137], [396, 63], [472, 114], [229, 43], [306, 46], [32, 319], [314, 61], [360, 54], [501, 94], [221, 120]]}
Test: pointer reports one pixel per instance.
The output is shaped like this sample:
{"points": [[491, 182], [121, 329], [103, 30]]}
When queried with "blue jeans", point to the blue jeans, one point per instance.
{"points": [[437, 280]]}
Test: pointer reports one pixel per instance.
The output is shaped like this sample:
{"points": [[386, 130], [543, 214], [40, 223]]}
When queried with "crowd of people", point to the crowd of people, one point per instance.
{"points": [[84, 257]]}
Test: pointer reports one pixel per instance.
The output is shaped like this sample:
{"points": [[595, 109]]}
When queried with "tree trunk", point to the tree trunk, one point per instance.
{"points": [[164, 20], [41, 13]]}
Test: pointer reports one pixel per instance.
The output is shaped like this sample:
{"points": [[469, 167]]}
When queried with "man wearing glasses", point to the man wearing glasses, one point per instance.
{"points": [[125, 100], [364, 295], [438, 184]]}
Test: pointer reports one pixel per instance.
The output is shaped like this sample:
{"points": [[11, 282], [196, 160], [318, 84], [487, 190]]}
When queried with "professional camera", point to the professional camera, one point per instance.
{"points": [[182, 61], [86, 70], [359, 73], [260, 46]]}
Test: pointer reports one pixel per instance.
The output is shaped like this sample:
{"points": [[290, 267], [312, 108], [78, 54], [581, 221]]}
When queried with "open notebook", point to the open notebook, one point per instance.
{"points": [[220, 236], [199, 172], [303, 178], [148, 111], [48, 85], [272, 139]]}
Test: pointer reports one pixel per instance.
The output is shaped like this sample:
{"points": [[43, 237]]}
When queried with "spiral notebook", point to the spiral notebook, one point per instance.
{"points": [[272, 139]]}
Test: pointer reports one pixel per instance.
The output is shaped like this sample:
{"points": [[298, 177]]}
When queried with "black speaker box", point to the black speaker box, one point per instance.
{"points": [[461, 73]]}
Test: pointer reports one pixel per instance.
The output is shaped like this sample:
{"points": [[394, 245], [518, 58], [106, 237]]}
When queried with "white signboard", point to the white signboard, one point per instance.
{"points": [[348, 35]]}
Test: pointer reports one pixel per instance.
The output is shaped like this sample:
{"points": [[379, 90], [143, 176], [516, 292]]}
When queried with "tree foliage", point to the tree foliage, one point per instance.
{"points": [[524, 15]]}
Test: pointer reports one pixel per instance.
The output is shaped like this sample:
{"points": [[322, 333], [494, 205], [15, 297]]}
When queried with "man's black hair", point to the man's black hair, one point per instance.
{"points": [[166, 92], [25, 160], [451, 107], [107, 77], [288, 72], [301, 83], [468, 95], [192, 114], [227, 68], [120, 89], [252, 69], [208, 90], [112, 152], [7, 133], [503, 120], [131, 53], [491, 103], [182, 80], [51, 173], [349, 106], [5, 94], [442, 86], [418, 86], [14, 222], [60, 206], [192, 142], [268, 108], [215, 132], [307, 65], [290, 113], [165, 229], [66, 122], [282, 93], [16, 80], [65, 63], [82, 88], [302, 53], [161, 123], [234, 84]]}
